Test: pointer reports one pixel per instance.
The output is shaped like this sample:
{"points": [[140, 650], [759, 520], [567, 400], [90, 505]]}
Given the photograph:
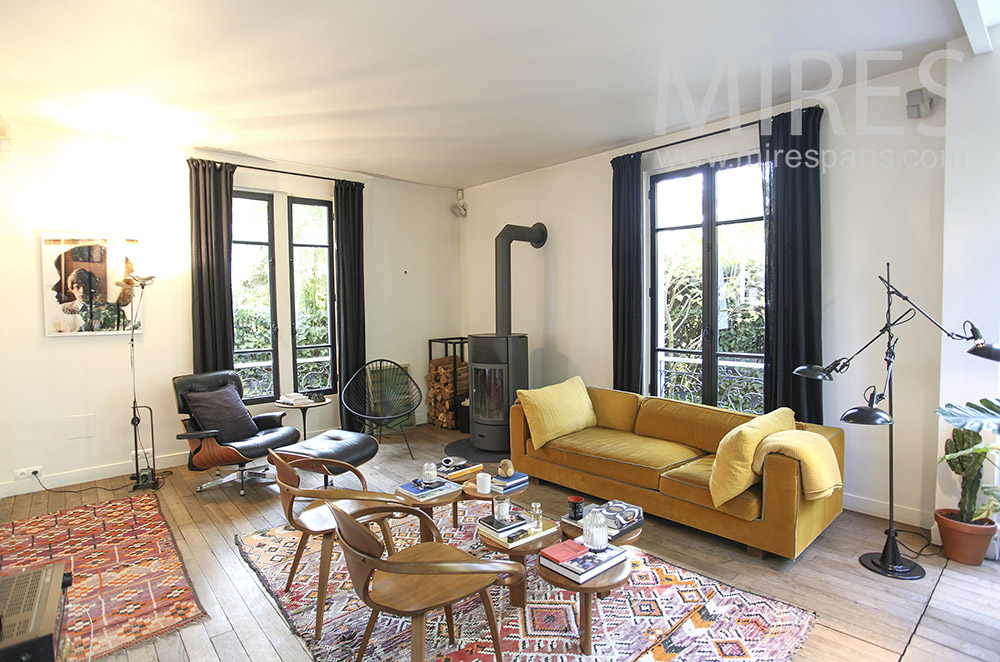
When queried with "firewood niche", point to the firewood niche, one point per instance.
{"points": [[447, 382]]}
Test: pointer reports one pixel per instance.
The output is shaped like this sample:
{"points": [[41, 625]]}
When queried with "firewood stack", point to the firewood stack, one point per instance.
{"points": [[443, 381]]}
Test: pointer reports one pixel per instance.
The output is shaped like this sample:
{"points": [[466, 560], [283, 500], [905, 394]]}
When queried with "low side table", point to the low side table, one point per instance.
{"points": [[304, 409], [602, 585], [428, 506], [518, 592], [470, 492]]}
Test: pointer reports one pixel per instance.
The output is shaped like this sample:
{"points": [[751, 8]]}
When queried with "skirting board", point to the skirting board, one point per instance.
{"points": [[903, 514], [62, 479]]}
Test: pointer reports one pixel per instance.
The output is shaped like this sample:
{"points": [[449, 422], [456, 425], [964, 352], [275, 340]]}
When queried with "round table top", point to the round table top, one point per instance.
{"points": [[470, 491], [305, 405], [443, 500], [531, 547], [610, 579], [570, 531]]}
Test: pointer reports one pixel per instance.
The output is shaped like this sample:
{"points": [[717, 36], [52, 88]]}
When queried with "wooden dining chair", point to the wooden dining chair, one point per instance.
{"points": [[317, 518], [417, 579]]}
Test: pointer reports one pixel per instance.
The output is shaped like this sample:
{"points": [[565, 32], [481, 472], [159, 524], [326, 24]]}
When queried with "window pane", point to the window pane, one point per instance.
{"points": [[679, 201], [251, 297], [741, 288], [739, 193], [312, 369], [741, 384], [678, 376], [678, 288], [312, 300], [250, 220], [256, 372], [310, 224]]}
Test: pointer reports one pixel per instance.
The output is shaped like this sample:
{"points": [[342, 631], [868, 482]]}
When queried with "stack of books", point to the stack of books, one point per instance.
{"points": [[503, 485], [420, 491], [294, 399], [574, 561], [622, 517], [513, 534], [455, 472]]}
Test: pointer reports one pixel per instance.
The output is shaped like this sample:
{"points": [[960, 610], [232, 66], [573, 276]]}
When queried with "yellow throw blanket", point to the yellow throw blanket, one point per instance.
{"points": [[820, 471]]}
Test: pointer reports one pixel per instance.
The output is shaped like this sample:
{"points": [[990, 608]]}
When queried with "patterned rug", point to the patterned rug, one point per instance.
{"points": [[663, 613], [128, 580]]}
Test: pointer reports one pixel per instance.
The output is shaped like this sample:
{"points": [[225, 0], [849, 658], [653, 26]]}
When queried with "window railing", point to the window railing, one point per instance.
{"points": [[741, 381]]}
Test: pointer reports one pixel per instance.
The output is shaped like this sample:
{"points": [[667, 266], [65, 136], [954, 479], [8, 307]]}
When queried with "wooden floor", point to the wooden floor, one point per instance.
{"points": [[952, 614]]}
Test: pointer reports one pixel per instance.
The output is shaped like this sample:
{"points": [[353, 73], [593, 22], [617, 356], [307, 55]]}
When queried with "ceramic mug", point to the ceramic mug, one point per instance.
{"points": [[483, 483]]}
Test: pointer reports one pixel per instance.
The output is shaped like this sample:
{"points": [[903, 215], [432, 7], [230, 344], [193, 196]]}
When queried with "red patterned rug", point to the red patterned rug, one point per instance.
{"points": [[128, 580], [663, 613]]}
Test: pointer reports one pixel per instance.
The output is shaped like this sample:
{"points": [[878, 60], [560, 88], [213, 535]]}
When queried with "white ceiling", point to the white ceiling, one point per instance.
{"points": [[447, 92]]}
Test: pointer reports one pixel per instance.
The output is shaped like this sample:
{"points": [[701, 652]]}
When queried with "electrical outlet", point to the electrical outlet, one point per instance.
{"points": [[22, 474], [145, 456]]}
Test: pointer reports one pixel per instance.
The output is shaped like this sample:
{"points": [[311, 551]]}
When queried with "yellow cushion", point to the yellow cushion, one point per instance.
{"points": [[557, 410], [689, 482], [732, 471], [616, 410]]}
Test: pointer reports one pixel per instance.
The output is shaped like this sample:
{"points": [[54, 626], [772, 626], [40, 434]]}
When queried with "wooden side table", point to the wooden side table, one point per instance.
{"points": [[518, 592], [470, 492], [602, 585], [304, 408], [452, 499]]}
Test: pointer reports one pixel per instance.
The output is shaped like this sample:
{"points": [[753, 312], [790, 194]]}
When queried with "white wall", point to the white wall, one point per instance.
{"points": [[872, 213], [971, 223], [63, 180]]}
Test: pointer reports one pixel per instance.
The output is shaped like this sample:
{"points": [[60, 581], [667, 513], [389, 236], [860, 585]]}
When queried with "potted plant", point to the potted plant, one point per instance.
{"points": [[966, 531]]}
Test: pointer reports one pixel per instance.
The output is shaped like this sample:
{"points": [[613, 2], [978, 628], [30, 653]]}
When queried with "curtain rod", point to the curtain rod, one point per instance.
{"points": [[693, 138], [286, 172]]}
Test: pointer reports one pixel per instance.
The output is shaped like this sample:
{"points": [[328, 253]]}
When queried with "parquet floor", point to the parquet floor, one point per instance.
{"points": [[952, 614]]}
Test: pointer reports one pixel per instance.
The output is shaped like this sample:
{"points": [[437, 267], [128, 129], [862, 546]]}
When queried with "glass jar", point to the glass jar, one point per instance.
{"points": [[429, 474], [595, 532], [501, 508], [535, 522]]}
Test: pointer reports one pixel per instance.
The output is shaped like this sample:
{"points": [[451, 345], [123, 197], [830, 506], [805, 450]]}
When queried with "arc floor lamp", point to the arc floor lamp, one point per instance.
{"points": [[890, 562]]}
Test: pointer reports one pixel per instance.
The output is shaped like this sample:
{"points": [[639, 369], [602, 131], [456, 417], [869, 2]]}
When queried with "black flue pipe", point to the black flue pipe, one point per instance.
{"points": [[536, 234]]}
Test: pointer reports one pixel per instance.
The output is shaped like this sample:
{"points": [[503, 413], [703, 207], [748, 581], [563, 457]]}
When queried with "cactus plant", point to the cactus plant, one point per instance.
{"points": [[969, 468]]}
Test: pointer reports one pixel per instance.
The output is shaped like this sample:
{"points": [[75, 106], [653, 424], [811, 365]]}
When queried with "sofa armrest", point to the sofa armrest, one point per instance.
{"points": [[520, 435], [834, 435]]}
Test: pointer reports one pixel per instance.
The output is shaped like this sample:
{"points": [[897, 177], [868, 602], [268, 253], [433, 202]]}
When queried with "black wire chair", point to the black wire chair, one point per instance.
{"points": [[383, 395]]}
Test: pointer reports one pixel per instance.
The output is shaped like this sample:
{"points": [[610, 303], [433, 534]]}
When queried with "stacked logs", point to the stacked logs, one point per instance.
{"points": [[447, 386]]}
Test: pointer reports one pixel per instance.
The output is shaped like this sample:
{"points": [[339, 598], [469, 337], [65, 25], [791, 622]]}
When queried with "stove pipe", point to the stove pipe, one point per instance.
{"points": [[536, 234]]}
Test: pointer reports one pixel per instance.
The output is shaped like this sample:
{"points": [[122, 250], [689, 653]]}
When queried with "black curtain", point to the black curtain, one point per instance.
{"points": [[793, 325], [211, 259], [348, 223], [626, 272]]}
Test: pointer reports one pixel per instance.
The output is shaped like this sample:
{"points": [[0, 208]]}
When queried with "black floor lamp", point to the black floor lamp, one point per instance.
{"points": [[144, 478], [890, 562]]}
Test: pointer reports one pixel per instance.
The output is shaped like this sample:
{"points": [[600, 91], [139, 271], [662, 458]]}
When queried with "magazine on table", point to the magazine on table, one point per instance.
{"points": [[614, 530], [496, 527], [454, 472], [520, 537], [422, 492]]}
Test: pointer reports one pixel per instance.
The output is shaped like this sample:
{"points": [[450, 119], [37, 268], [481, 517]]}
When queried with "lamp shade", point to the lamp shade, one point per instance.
{"points": [[811, 371], [866, 416], [984, 350]]}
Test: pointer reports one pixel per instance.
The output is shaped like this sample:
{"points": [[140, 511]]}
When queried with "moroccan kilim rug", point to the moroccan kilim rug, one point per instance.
{"points": [[128, 580], [663, 613]]}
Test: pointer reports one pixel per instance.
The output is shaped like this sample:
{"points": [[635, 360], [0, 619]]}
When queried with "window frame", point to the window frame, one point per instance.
{"points": [[272, 294], [331, 295], [709, 354]]}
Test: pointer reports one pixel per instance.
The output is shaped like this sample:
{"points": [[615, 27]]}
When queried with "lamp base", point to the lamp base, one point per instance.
{"points": [[905, 569]]}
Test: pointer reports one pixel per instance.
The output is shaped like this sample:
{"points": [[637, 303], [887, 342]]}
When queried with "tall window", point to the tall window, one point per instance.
{"points": [[283, 316], [707, 298], [310, 233], [254, 311]]}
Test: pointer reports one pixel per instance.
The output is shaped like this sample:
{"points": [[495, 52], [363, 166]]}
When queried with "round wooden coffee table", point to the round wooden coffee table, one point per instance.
{"points": [[428, 506], [518, 593], [602, 585]]}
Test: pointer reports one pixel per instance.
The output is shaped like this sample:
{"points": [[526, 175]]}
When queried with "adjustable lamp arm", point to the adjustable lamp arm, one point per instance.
{"points": [[973, 335]]}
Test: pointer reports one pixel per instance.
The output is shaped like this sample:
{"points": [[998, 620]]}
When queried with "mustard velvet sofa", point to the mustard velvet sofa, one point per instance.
{"points": [[658, 453]]}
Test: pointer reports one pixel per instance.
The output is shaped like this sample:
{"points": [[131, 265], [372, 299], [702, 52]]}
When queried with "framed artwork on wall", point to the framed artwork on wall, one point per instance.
{"points": [[86, 284]]}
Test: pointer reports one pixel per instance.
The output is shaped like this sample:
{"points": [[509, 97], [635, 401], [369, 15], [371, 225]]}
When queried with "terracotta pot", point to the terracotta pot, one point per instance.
{"points": [[964, 543]]}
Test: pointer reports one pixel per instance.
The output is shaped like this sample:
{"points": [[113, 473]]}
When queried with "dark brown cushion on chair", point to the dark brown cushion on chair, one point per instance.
{"points": [[221, 410]]}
